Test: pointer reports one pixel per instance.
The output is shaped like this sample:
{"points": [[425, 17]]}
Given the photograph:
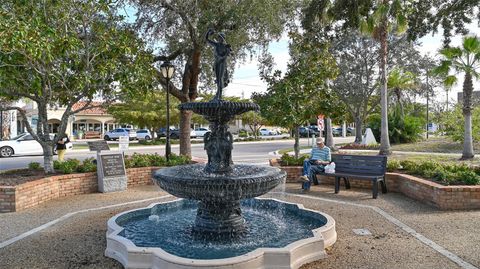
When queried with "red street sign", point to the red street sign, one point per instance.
{"points": [[320, 121]]}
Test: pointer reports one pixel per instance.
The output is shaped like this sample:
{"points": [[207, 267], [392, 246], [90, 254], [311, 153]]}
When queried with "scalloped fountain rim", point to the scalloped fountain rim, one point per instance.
{"points": [[293, 255]]}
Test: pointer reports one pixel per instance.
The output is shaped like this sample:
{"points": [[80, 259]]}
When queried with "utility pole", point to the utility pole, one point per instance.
{"points": [[427, 104]]}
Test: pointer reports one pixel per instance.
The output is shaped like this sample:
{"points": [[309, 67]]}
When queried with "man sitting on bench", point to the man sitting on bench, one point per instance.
{"points": [[319, 157]]}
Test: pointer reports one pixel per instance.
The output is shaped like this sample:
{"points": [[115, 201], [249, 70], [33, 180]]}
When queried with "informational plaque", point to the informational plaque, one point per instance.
{"points": [[98, 145], [111, 172], [112, 165]]}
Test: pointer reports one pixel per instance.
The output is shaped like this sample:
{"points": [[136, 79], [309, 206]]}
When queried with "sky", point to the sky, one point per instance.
{"points": [[245, 79]]}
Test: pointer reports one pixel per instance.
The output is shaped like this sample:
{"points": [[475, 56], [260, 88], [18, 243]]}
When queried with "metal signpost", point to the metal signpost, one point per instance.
{"points": [[123, 143]]}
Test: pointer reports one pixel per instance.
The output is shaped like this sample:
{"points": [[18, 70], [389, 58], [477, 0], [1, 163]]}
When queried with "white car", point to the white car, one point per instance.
{"points": [[265, 131], [144, 134], [24, 144], [116, 133], [201, 131]]}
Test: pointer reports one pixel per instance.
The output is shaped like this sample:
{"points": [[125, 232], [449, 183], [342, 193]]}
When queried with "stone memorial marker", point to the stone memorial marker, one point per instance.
{"points": [[111, 172], [368, 137]]}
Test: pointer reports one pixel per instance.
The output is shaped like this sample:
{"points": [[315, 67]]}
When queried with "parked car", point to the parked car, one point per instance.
{"points": [[175, 134], [265, 131], [337, 131], [144, 134], [116, 133], [201, 131], [308, 131], [24, 144]]}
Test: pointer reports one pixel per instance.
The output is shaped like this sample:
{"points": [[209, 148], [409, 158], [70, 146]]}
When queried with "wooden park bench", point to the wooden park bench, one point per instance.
{"points": [[92, 134], [359, 167]]}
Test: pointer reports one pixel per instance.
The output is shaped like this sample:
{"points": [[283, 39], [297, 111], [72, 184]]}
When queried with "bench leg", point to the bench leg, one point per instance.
{"points": [[384, 186], [375, 188], [337, 184], [347, 182]]}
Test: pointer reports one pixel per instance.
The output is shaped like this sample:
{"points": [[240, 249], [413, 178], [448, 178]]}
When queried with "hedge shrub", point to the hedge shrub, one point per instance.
{"points": [[447, 174]]}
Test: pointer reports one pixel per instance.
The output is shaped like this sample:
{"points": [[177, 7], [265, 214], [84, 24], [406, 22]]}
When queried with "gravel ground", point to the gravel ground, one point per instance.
{"points": [[79, 242]]}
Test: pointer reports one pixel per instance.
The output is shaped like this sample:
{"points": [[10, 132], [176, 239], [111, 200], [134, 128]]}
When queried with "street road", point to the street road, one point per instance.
{"points": [[243, 152]]}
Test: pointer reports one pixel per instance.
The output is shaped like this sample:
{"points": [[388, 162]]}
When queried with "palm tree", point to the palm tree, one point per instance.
{"points": [[464, 59], [399, 81], [377, 18], [386, 15]]}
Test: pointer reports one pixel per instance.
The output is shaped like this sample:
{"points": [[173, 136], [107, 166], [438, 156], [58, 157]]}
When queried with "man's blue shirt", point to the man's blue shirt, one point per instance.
{"points": [[320, 154]]}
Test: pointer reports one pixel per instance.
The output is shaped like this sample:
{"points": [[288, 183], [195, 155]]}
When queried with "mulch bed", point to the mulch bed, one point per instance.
{"points": [[20, 176]]}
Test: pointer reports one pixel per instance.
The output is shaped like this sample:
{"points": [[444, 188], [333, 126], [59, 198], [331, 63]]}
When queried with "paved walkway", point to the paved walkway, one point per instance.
{"points": [[70, 232]]}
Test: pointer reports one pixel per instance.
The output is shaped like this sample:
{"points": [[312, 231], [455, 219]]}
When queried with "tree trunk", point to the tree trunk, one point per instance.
{"points": [[185, 145], [296, 146], [358, 130], [384, 140], [47, 158], [467, 114], [329, 134]]}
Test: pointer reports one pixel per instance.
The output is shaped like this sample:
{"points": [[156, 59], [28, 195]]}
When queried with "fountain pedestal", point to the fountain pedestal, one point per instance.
{"points": [[219, 188], [219, 218]]}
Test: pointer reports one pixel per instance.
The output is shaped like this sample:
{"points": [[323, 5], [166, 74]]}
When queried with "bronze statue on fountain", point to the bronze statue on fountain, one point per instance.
{"points": [[219, 185]]}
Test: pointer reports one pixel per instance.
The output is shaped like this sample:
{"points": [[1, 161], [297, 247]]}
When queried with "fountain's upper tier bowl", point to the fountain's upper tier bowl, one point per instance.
{"points": [[244, 181], [218, 110]]}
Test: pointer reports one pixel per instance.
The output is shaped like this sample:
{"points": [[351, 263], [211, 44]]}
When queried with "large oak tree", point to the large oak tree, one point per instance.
{"points": [[178, 30], [62, 53]]}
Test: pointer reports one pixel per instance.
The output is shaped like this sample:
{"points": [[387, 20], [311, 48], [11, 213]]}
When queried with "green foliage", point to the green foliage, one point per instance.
{"points": [[393, 165], [448, 174], [146, 109], [454, 128], [469, 177], [290, 160], [88, 165], [144, 160], [360, 146], [34, 166], [68, 166], [401, 130], [242, 133]]}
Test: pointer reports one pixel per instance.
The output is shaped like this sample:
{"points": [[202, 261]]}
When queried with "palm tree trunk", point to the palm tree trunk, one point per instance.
{"points": [[384, 140], [467, 114]]}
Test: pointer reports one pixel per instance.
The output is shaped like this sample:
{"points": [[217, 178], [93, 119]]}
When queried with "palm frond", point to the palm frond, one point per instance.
{"points": [[449, 81], [471, 44]]}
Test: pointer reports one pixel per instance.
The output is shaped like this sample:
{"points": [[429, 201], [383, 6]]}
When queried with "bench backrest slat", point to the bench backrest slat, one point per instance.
{"points": [[360, 164]]}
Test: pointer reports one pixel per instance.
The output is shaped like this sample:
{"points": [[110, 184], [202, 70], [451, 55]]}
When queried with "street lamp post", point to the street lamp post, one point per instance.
{"points": [[167, 70]]}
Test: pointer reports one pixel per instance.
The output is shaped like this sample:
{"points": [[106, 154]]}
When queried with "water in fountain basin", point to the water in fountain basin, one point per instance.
{"points": [[269, 224]]}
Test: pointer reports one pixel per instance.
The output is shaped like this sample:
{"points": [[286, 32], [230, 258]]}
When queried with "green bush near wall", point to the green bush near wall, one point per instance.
{"points": [[447, 174]]}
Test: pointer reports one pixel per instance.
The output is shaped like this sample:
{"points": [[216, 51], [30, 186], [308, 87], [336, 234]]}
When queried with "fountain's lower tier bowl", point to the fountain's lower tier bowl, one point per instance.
{"points": [[280, 235]]}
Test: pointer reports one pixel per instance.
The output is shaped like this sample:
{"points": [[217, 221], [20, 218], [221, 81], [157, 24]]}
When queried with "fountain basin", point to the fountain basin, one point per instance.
{"points": [[130, 239]]}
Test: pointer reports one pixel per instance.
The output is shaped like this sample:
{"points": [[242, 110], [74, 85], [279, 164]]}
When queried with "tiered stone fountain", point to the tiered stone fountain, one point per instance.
{"points": [[272, 234]]}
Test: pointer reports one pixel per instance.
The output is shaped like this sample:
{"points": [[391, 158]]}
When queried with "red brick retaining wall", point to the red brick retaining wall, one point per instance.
{"points": [[442, 197], [29, 194]]}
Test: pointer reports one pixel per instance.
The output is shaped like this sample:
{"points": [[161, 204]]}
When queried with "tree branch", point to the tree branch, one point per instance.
{"points": [[170, 57]]}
